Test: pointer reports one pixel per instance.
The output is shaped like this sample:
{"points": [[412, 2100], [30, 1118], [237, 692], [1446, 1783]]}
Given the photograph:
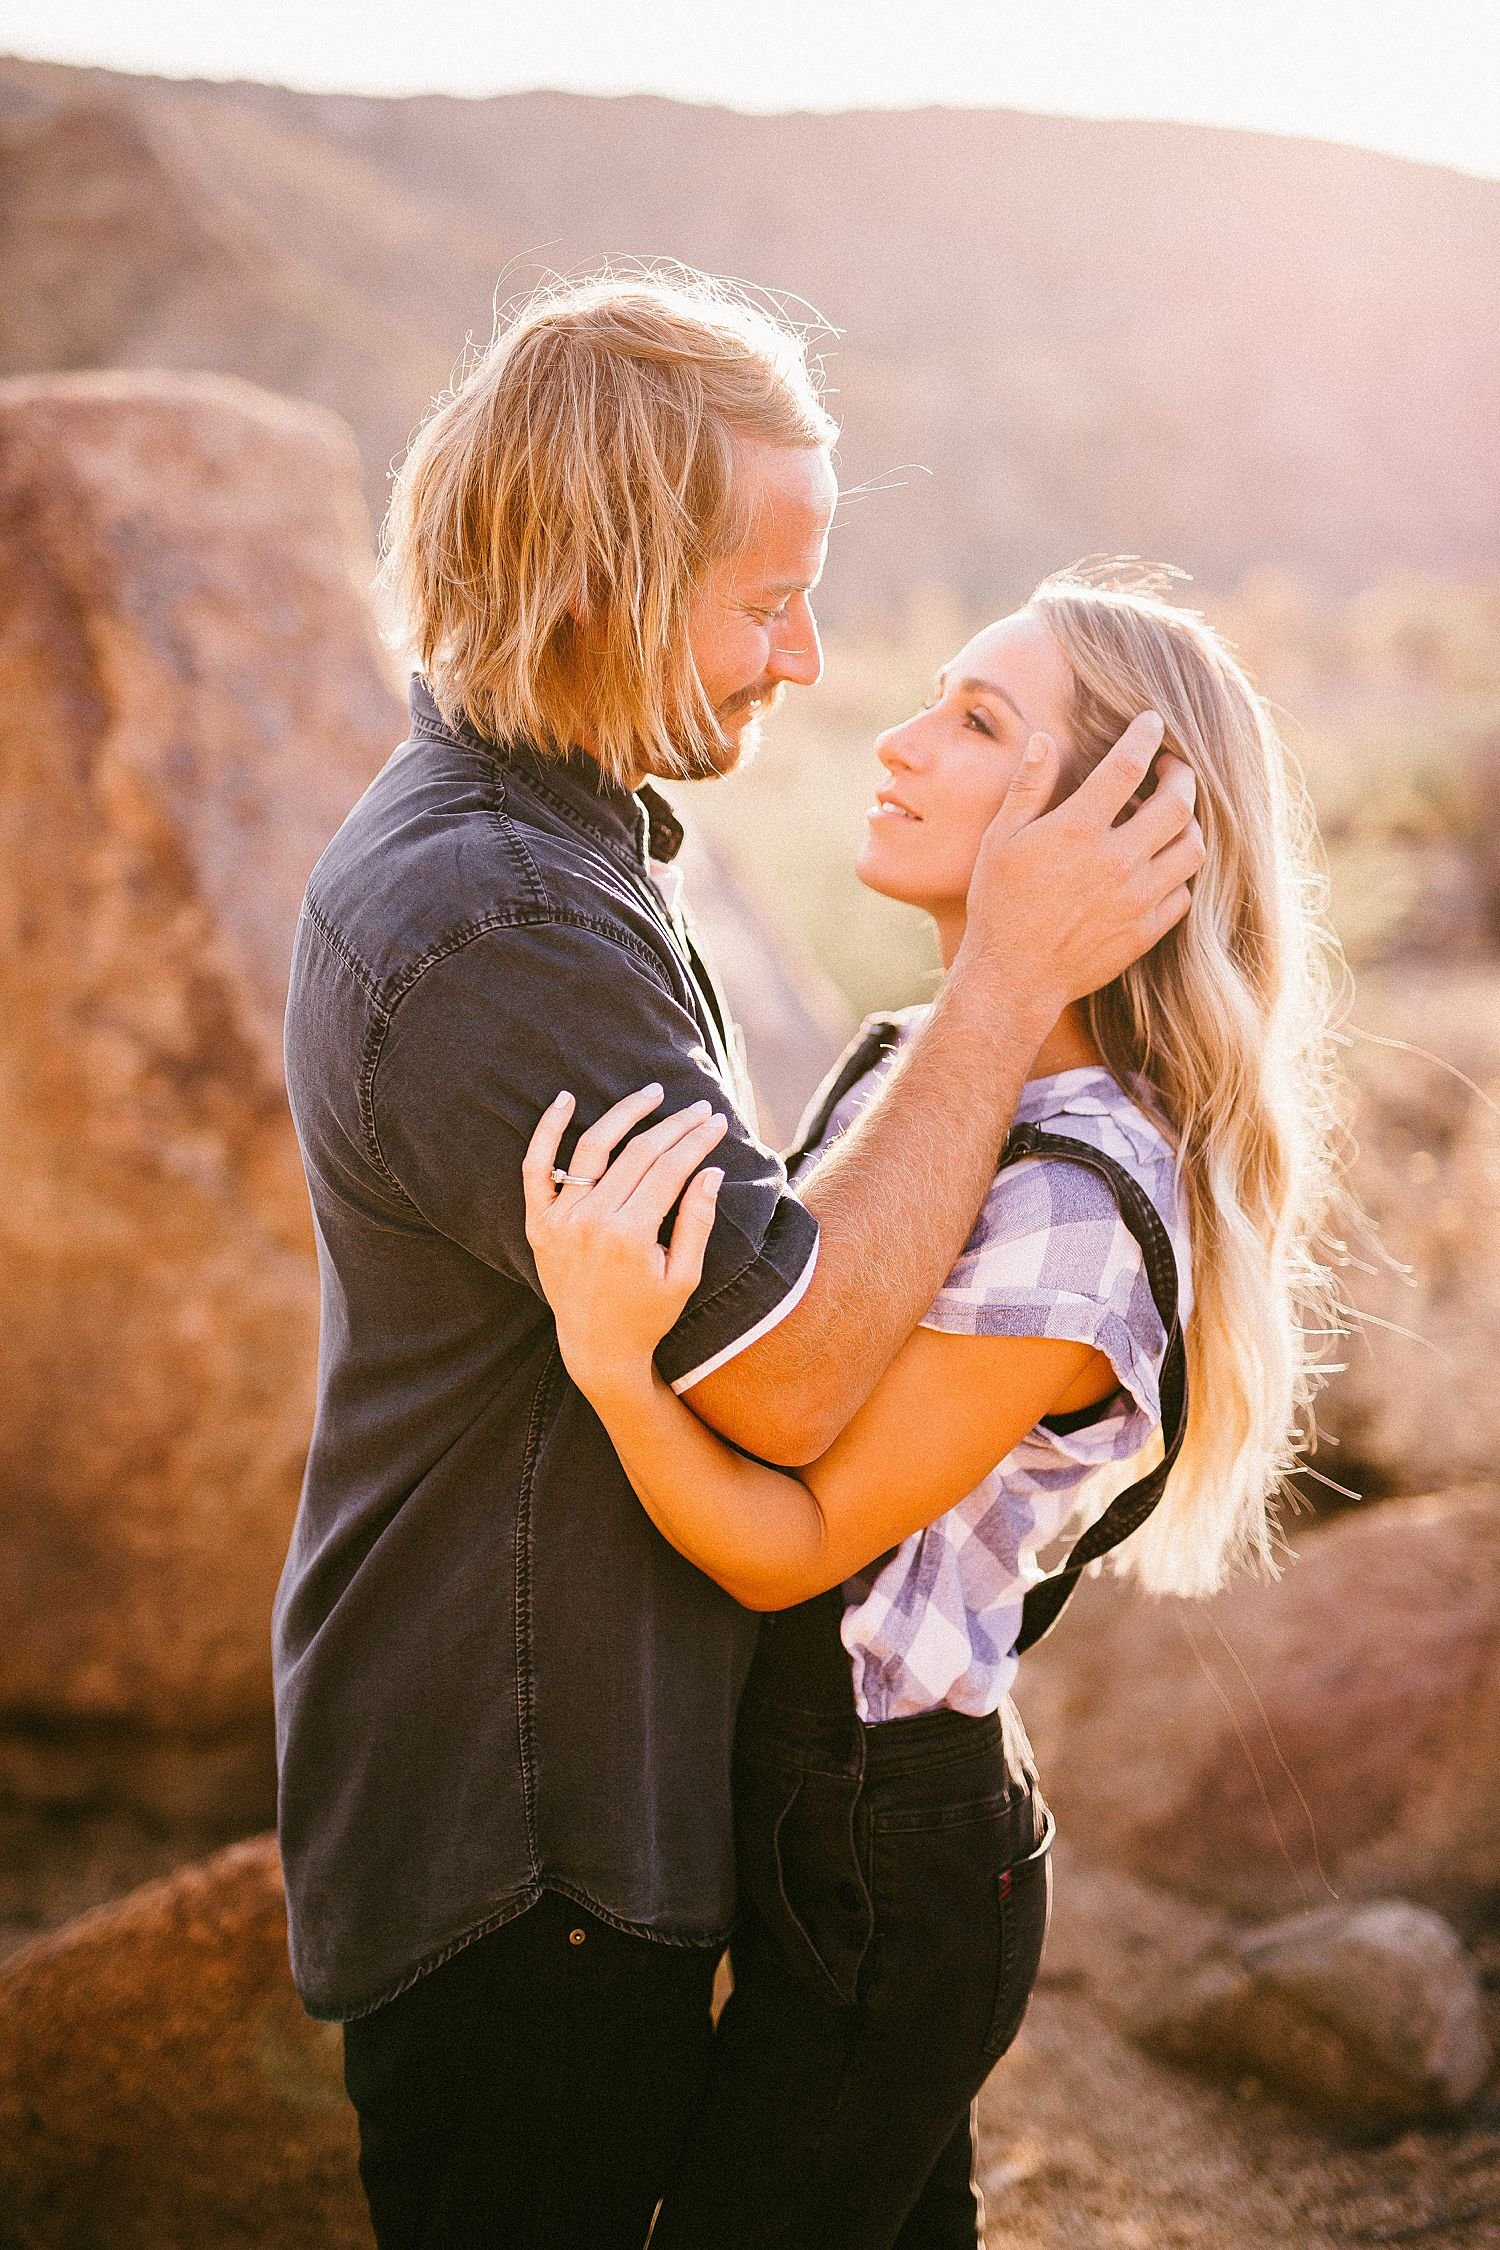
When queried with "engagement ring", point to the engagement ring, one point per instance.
{"points": [[571, 1179]]}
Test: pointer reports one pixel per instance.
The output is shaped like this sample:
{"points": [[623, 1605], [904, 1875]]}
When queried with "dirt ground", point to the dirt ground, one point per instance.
{"points": [[1086, 2143]]}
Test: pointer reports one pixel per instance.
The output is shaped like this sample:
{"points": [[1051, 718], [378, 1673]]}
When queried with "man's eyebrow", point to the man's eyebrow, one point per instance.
{"points": [[973, 685]]}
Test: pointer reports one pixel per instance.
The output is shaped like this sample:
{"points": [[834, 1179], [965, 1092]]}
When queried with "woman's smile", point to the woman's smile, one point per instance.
{"points": [[889, 807]]}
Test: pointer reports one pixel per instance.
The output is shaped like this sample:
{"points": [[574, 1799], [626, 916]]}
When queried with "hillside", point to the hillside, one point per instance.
{"points": [[1059, 337]]}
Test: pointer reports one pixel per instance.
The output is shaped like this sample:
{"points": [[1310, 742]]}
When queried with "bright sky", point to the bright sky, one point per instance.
{"points": [[1418, 77]]}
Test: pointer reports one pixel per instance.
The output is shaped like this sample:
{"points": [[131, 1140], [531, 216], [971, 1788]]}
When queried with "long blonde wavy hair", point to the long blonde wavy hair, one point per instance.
{"points": [[558, 510], [1229, 1020]]}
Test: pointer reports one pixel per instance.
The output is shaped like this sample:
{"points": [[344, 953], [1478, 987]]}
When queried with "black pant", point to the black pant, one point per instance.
{"points": [[893, 1900], [532, 2092]]}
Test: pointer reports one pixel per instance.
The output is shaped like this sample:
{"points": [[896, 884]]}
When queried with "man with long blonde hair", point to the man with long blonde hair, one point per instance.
{"points": [[505, 1704]]}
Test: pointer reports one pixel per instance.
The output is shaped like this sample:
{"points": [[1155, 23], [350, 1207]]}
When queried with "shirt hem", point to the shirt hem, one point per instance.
{"points": [[336, 2012], [762, 1327]]}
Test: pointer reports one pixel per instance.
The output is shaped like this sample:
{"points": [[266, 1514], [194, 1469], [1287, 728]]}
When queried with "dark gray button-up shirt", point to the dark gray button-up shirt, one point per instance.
{"points": [[493, 1675]]}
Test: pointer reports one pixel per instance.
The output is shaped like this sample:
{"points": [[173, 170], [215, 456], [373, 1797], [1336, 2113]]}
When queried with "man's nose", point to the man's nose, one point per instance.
{"points": [[797, 653]]}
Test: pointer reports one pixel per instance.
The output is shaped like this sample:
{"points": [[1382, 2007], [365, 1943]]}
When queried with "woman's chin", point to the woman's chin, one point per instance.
{"points": [[873, 867]]}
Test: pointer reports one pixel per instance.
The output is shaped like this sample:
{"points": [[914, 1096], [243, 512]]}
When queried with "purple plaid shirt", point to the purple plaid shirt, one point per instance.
{"points": [[934, 1624]]}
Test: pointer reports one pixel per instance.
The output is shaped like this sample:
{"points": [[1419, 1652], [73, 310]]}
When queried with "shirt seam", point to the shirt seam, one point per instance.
{"points": [[511, 834], [541, 1404], [384, 1009], [338, 944]]}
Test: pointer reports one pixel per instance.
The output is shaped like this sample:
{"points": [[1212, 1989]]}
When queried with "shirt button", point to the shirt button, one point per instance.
{"points": [[576, 1937]]}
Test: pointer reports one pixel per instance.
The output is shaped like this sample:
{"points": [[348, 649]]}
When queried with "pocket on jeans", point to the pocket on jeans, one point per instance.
{"points": [[800, 1869], [1024, 1904]]}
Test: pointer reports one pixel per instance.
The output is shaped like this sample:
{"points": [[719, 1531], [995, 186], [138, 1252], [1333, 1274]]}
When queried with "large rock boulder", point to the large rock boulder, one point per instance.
{"points": [[160, 2086], [1418, 1406], [1370, 2015], [192, 694], [1339, 1729]]}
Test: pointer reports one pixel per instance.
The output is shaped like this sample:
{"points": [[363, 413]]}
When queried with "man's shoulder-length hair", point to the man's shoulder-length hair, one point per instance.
{"points": [[558, 509]]}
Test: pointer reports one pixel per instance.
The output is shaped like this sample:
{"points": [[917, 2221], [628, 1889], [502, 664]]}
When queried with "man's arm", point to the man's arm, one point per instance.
{"points": [[1059, 905]]}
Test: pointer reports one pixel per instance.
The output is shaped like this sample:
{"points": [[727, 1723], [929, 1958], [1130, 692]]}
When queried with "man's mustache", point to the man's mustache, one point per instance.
{"points": [[750, 699]]}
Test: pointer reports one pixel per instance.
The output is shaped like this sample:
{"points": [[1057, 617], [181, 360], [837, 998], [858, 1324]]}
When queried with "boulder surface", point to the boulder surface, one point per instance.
{"points": [[160, 2086], [1371, 2015], [1338, 1731], [192, 694]]}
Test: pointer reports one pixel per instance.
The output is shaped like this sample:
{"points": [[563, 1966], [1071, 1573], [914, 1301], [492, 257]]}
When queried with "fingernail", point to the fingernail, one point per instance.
{"points": [[700, 1109], [559, 1099], [1155, 719], [713, 1180], [655, 1089], [1036, 750]]}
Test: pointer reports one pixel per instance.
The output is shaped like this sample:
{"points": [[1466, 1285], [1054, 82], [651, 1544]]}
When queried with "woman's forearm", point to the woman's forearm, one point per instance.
{"points": [[757, 1531], [948, 1409]]}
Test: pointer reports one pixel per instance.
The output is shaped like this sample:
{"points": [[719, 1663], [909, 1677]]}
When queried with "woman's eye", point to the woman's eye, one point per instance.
{"points": [[980, 723]]}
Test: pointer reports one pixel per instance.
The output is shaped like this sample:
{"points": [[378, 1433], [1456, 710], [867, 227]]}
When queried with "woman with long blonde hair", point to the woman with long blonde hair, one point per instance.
{"points": [[1124, 1356]]}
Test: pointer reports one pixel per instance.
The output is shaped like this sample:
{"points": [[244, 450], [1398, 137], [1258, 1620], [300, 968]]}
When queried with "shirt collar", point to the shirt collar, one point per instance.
{"points": [[1087, 1091], [639, 821]]}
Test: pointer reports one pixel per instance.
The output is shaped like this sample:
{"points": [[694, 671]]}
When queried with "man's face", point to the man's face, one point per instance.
{"points": [[751, 624]]}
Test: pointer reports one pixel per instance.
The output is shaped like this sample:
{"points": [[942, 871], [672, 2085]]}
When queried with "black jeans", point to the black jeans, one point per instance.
{"points": [[894, 1891], [532, 2092]]}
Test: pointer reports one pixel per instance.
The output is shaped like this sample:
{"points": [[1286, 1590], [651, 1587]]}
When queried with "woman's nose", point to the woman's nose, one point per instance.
{"points": [[898, 746]]}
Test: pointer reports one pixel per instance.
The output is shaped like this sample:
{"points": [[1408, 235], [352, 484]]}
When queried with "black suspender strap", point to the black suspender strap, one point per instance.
{"points": [[1129, 1509], [875, 1038]]}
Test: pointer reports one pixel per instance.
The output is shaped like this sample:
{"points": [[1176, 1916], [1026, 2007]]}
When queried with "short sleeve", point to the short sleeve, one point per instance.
{"points": [[479, 1044], [1050, 1255]]}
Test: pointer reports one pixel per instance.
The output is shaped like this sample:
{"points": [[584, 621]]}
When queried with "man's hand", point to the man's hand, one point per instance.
{"points": [[1063, 901]]}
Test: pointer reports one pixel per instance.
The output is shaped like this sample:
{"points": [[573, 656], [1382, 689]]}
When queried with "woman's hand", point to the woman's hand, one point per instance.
{"points": [[613, 1289]]}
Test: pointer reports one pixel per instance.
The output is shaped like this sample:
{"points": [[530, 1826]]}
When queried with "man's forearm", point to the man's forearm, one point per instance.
{"points": [[895, 1201]]}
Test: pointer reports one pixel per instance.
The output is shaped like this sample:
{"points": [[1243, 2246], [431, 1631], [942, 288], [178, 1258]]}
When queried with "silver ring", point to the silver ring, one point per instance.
{"points": [[561, 1178]]}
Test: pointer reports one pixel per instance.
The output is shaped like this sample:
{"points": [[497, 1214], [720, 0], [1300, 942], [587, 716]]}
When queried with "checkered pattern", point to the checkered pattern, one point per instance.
{"points": [[935, 1624]]}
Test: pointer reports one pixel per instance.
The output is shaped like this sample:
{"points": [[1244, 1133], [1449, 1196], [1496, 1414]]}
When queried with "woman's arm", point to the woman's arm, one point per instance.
{"points": [[947, 1410]]}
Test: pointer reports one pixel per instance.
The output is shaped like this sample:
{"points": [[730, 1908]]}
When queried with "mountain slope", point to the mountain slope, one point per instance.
{"points": [[1058, 337]]}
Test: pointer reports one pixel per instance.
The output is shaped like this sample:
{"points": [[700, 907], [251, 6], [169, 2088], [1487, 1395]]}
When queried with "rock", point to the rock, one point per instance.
{"points": [[160, 2084], [1369, 2014], [192, 694], [793, 1019], [1418, 1407], [1339, 1728]]}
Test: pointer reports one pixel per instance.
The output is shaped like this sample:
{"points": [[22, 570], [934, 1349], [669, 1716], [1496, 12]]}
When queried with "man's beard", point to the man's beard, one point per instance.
{"points": [[731, 750]]}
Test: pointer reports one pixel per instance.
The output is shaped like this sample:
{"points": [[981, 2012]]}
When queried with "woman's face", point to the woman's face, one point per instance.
{"points": [[948, 767]]}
